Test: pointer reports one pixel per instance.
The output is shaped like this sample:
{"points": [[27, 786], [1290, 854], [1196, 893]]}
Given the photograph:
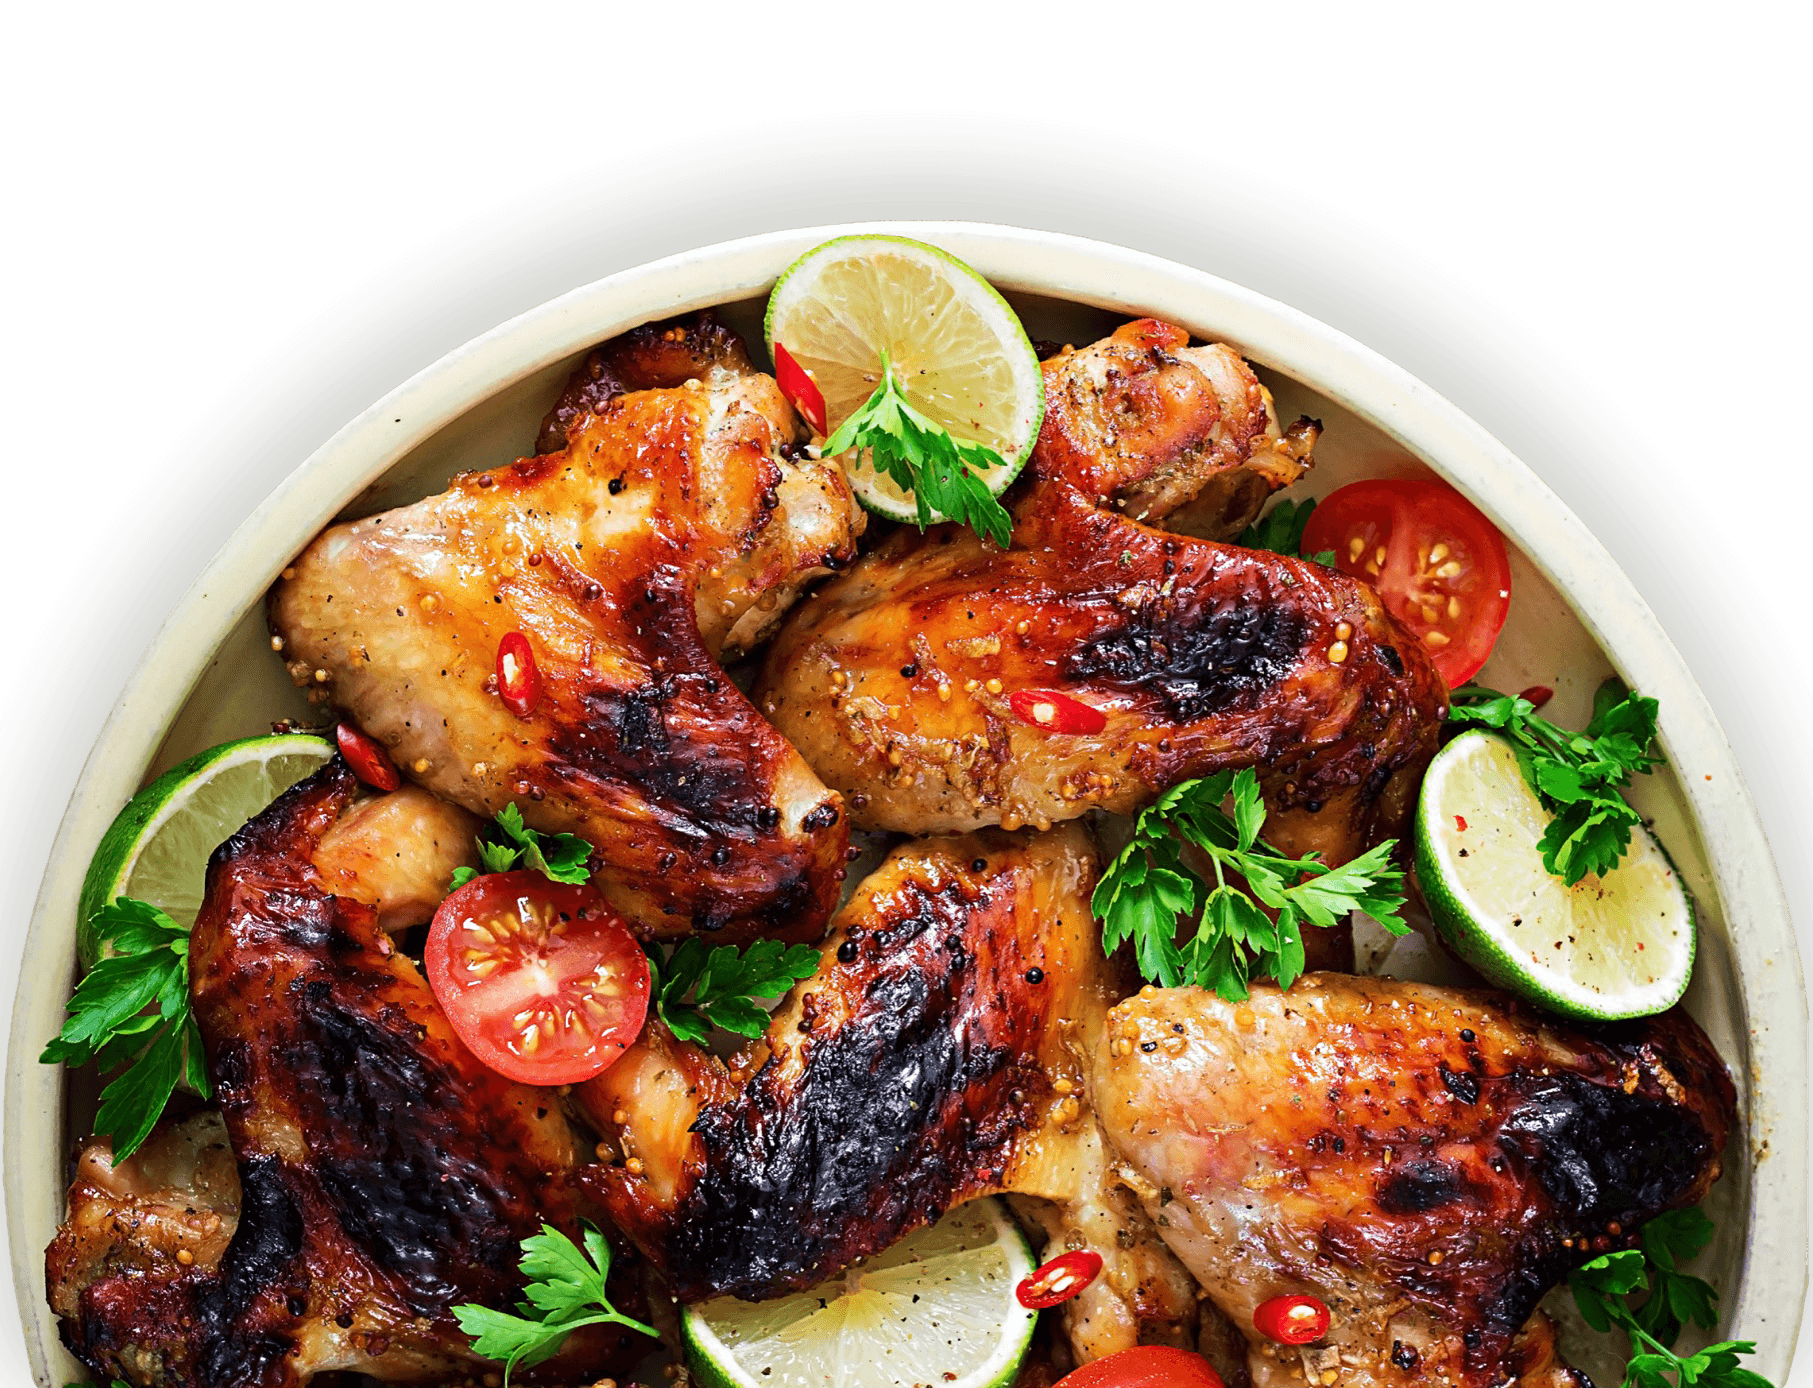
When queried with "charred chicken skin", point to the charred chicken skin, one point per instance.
{"points": [[938, 1054], [898, 680], [1427, 1161], [379, 1175], [671, 525]]}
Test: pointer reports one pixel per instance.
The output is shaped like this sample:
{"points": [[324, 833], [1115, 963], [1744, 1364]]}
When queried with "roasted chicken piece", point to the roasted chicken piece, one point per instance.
{"points": [[383, 1176], [1427, 1161], [938, 1054], [897, 681], [675, 524]]}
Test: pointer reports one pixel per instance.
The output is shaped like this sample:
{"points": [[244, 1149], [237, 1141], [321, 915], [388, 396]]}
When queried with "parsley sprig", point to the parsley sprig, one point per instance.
{"points": [[924, 457], [1148, 886], [1603, 1287], [565, 1291], [559, 857], [1578, 776], [130, 1014], [723, 983], [1280, 530]]}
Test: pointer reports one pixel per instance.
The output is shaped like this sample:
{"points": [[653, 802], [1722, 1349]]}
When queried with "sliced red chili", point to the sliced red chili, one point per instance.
{"points": [[1053, 712], [370, 762], [800, 388], [518, 677], [1537, 694], [1292, 1320], [1460, 822], [1059, 1280]]}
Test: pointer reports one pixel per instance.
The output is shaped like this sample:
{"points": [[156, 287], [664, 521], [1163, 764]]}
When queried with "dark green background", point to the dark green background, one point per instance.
{"points": [[187, 191]]}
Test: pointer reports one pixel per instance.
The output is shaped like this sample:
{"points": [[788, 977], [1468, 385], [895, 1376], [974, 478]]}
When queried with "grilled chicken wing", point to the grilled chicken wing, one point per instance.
{"points": [[383, 1175], [896, 680], [672, 526], [937, 1055], [1427, 1161]]}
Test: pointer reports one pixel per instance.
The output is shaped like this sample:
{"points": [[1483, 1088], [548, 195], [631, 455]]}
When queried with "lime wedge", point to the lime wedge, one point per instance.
{"points": [[937, 1308], [157, 849], [1605, 948], [957, 350]]}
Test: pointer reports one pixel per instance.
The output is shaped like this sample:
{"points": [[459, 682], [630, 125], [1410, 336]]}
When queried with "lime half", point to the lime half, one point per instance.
{"points": [[1607, 947], [157, 849], [956, 349], [937, 1308]]}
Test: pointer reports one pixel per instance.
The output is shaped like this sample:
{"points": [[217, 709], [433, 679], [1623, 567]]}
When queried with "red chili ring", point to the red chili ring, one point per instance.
{"points": [[800, 388], [518, 676], [1059, 1280], [1052, 712], [1292, 1320], [370, 762]]}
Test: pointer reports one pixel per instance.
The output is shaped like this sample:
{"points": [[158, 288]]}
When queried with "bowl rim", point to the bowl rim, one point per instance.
{"points": [[1765, 1308]]}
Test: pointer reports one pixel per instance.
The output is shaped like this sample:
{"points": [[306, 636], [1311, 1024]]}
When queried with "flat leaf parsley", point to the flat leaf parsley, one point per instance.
{"points": [[130, 1014], [1576, 775], [1280, 530], [558, 857], [723, 983], [1148, 886], [566, 1290], [1602, 1289], [922, 456]]}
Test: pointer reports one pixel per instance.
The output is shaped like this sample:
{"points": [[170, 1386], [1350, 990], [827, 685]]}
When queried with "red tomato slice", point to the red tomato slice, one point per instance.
{"points": [[541, 980], [1438, 564], [1149, 1366]]}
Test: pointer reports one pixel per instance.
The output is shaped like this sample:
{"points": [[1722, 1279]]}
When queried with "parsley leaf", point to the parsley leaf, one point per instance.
{"points": [[109, 1022], [558, 857], [723, 983], [1602, 1287], [564, 1284], [1280, 530], [1578, 776], [923, 457], [1148, 886]]}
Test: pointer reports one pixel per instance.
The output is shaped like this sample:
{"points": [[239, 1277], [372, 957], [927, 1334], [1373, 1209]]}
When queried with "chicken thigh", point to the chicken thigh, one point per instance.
{"points": [[675, 523], [379, 1175], [938, 1054], [912, 683], [1427, 1161]]}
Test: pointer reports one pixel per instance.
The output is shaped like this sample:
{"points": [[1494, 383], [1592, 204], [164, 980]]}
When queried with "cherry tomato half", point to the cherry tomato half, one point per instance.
{"points": [[1291, 1320], [1438, 564], [370, 762], [541, 980], [1148, 1366], [1059, 1280]]}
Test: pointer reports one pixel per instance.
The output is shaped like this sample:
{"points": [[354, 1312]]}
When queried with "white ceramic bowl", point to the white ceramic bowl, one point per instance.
{"points": [[1575, 617]]}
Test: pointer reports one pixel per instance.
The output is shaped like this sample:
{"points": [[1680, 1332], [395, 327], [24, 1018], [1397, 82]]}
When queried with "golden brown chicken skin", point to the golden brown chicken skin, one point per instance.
{"points": [[937, 1055], [1427, 1161], [896, 682], [383, 1175], [673, 525]]}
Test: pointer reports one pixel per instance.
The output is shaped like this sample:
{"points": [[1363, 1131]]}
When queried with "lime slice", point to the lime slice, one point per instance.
{"points": [[157, 849], [937, 1308], [956, 349], [1607, 947]]}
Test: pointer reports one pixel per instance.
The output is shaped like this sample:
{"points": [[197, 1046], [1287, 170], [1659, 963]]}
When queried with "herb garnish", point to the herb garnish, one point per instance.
{"points": [[922, 456], [564, 1286], [723, 983], [1148, 886], [1602, 1287], [1576, 775], [558, 857], [108, 1022], [1280, 530]]}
